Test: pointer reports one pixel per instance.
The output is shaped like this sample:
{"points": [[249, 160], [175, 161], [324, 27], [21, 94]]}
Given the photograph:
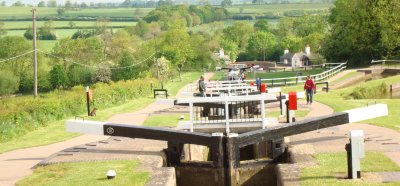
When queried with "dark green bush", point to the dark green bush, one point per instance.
{"points": [[374, 92], [8, 83]]}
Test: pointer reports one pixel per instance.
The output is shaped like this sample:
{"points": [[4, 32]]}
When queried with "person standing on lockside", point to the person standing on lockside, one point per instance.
{"points": [[309, 87]]}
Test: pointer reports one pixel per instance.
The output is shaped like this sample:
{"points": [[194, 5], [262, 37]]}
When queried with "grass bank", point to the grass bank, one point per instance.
{"points": [[87, 173], [170, 120], [340, 100], [331, 164], [54, 131]]}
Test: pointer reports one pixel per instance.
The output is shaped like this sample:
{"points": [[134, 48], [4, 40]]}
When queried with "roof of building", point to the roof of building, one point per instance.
{"points": [[287, 56]]}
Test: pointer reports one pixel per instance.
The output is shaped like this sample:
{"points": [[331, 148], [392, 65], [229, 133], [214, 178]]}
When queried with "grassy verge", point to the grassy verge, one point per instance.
{"points": [[176, 85], [339, 101], [345, 77], [269, 75], [55, 131], [218, 76], [332, 163], [87, 173], [170, 120]]}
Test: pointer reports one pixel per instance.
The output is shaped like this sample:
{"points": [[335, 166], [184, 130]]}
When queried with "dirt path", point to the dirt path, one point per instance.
{"points": [[17, 164]]}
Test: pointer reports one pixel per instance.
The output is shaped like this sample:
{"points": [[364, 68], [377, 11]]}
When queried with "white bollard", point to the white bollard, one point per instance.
{"points": [[356, 153]]}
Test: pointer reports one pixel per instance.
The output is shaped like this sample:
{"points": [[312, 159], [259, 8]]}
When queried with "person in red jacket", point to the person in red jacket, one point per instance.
{"points": [[309, 87]]}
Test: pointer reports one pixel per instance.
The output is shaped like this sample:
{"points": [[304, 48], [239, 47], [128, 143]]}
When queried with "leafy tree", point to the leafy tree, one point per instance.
{"points": [[83, 5], [176, 47], [261, 43], [41, 4], [18, 3], [58, 77], [261, 25], [363, 30], [100, 26], [126, 3], [225, 3], [238, 34], [13, 46], [28, 33], [88, 51], [257, 2], [120, 43], [161, 68], [124, 73], [3, 3], [140, 29], [231, 48], [83, 34], [8, 83], [46, 31], [78, 75], [102, 74], [68, 5], [292, 42], [52, 3], [60, 11], [2, 29]]}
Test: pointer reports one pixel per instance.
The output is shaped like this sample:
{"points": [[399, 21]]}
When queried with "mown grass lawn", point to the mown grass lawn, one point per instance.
{"points": [[345, 77], [170, 120], [87, 173], [330, 164]]}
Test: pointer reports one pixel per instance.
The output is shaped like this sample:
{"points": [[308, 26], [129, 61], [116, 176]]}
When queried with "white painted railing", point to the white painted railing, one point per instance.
{"points": [[275, 81], [227, 100]]}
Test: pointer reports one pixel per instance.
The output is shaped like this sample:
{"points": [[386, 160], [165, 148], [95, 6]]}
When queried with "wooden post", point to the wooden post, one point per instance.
{"points": [[87, 100], [34, 53]]}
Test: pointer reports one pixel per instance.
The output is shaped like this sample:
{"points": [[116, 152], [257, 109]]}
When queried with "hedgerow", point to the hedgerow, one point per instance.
{"points": [[22, 114]]}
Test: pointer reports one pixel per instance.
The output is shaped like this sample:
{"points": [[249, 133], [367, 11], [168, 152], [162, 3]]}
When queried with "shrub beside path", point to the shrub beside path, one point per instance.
{"points": [[17, 164]]}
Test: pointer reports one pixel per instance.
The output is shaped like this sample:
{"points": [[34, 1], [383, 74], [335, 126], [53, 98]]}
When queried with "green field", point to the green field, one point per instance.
{"points": [[276, 8], [24, 12], [212, 27], [57, 24]]}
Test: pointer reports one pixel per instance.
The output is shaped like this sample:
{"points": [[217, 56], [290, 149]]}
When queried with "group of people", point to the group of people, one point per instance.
{"points": [[309, 87]]}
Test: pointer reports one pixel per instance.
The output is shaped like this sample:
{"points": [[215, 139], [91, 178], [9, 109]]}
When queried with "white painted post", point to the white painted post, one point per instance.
{"points": [[264, 122], [226, 117], [191, 116], [357, 152]]}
